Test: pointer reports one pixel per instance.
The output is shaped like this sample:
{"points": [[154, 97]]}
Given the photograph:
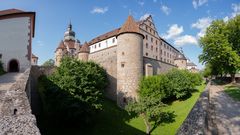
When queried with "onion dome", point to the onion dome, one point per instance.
{"points": [[85, 48], [69, 34], [130, 26]]}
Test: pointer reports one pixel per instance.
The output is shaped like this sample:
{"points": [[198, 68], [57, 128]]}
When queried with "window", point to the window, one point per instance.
{"points": [[156, 49], [146, 45], [95, 46], [156, 42], [122, 64], [146, 37], [99, 45], [146, 54], [164, 53], [151, 47], [106, 42], [156, 57], [151, 39], [0, 56], [146, 28], [113, 40], [164, 45], [122, 53], [150, 30]]}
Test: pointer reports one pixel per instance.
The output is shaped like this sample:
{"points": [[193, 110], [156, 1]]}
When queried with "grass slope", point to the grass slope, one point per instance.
{"points": [[115, 121], [233, 91]]}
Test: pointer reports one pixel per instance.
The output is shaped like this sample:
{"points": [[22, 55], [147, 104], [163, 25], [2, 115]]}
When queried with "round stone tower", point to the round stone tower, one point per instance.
{"points": [[59, 53], [84, 52], [129, 61]]}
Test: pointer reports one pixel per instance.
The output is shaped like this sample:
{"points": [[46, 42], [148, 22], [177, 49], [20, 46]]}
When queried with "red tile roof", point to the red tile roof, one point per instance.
{"points": [[130, 26], [104, 36], [10, 11], [70, 44], [34, 56], [85, 48]]}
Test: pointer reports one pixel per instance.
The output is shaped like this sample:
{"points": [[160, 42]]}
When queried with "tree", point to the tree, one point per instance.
{"points": [[150, 108], [49, 62], [218, 50], [75, 90]]}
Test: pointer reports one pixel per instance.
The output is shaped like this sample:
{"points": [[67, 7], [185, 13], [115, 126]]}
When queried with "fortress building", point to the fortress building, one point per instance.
{"points": [[17, 30], [126, 53]]}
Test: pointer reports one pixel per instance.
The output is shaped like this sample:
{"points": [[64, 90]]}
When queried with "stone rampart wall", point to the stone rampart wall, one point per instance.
{"points": [[16, 117]]}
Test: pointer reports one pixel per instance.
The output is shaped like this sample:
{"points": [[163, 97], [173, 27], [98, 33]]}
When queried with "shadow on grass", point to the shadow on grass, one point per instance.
{"points": [[111, 120], [166, 118], [233, 92]]}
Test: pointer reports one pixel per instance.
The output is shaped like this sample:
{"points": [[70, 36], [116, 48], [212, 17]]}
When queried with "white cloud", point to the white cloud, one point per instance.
{"points": [[40, 43], [202, 25], [141, 3], [144, 16], [198, 3], [165, 9], [173, 32], [236, 9], [99, 10], [185, 40]]}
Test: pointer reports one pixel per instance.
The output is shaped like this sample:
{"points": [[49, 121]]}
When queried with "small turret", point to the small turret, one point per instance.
{"points": [[69, 34], [59, 53], [84, 52]]}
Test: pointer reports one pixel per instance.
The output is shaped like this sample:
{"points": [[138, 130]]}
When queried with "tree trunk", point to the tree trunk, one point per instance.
{"points": [[233, 80], [147, 124]]}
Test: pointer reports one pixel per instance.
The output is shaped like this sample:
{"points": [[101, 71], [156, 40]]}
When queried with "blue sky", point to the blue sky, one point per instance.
{"points": [[181, 23]]}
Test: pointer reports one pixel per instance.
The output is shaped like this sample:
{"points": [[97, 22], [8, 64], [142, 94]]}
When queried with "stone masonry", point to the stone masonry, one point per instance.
{"points": [[15, 111]]}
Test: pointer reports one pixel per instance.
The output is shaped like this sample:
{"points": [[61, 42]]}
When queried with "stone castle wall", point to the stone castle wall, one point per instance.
{"points": [[158, 67], [16, 117], [107, 58]]}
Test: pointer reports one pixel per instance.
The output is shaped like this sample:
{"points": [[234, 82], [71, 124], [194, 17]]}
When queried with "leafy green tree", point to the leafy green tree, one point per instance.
{"points": [[150, 108], [233, 29], [49, 62], [218, 50], [75, 90]]}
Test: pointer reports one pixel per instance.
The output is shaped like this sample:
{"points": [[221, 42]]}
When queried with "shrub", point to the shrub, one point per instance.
{"points": [[174, 84], [73, 93]]}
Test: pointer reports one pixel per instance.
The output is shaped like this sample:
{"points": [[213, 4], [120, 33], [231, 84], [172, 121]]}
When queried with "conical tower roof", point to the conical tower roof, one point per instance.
{"points": [[84, 48], [130, 26]]}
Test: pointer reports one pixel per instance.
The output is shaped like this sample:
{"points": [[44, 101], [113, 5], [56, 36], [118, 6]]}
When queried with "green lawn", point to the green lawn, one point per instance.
{"points": [[233, 91], [115, 121]]}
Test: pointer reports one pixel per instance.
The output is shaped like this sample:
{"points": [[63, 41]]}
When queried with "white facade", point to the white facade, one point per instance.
{"points": [[103, 44], [15, 38]]}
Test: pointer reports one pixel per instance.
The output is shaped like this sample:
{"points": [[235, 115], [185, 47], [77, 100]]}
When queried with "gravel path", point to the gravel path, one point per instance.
{"points": [[7, 80], [226, 111]]}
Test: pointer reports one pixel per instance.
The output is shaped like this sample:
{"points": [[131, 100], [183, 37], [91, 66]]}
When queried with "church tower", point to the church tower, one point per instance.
{"points": [[84, 52], [129, 61]]}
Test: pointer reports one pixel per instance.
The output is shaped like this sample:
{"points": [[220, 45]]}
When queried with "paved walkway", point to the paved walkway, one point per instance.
{"points": [[7, 80], [226, 111]]}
